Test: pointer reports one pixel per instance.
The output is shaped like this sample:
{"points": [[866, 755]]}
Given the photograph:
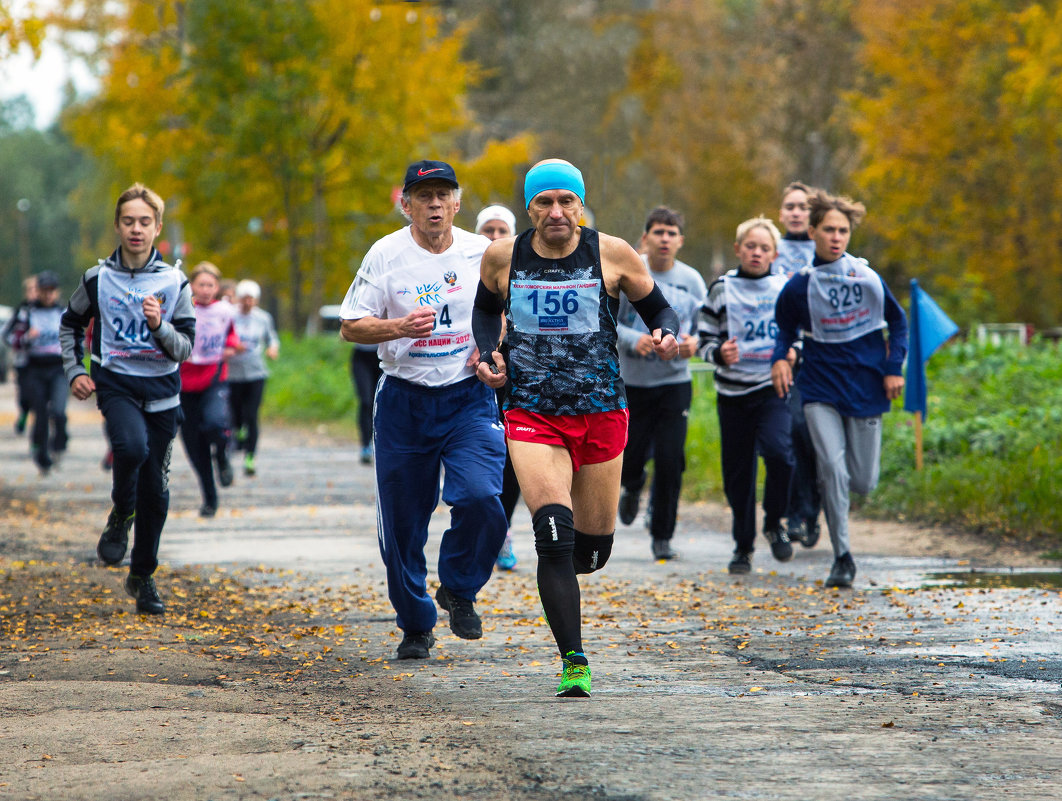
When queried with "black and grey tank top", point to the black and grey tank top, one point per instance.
{"points": [[562, 332]]}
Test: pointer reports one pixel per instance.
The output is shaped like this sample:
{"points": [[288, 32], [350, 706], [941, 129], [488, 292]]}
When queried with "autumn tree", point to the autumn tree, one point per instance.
{"points": [[962, 128], [280, 128], [554, 68], [18, 29], [736, 100]]}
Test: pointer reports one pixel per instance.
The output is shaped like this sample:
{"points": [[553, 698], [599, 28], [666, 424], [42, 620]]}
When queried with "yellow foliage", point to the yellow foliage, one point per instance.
{"points": [[277, 130], [961, 131]]}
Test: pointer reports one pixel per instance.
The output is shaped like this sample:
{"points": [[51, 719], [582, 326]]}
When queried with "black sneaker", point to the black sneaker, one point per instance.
{"points": [[781, 547], [662, 550], [812, 535], [464, 622], [115, 538], [628, 507], [416, 645], [147, 597], [206, 510], [740, 564], [843, 572], [225, 474]]}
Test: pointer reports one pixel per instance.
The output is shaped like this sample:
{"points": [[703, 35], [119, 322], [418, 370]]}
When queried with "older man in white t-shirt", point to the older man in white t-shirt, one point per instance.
{"points": [[413, 297]]}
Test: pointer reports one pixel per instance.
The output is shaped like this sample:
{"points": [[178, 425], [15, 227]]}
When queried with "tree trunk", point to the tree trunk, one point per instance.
{"points": [[295, 316], [320, 239]]}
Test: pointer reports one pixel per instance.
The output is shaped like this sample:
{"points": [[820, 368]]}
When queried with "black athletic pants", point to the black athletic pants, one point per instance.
{"points": [[749, 424], [205, 433], [365, 371], [658, 423], [46, 391], [245, 399], [142, 443]]}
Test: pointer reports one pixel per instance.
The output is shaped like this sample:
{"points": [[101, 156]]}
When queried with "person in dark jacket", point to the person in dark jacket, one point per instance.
{"points": [[35, 332], [851, 372]]}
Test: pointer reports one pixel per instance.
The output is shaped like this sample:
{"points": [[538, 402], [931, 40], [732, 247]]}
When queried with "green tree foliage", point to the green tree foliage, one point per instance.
{"points": [[39, 170], [279, 129], [961, 128]]}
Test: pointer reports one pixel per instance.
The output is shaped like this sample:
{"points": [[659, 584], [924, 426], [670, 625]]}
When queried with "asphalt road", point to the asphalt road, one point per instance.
{"points": [[910, 686]]}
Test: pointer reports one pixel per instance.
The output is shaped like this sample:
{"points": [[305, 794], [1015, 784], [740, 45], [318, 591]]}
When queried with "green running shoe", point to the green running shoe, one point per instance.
{"points": [[575, 678]]}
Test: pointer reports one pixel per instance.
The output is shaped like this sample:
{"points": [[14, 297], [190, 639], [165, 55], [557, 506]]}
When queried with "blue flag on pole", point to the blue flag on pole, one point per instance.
{"points": [[930, 328]]}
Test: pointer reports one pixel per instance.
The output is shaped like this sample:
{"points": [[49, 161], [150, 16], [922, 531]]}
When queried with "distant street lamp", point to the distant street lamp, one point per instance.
{"points": [[25, 266]]}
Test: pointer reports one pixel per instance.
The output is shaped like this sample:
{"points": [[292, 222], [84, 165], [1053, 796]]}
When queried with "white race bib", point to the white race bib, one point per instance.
{"points": [[793, 256], [750, 318], [211, 330], [126, 343], [555, 307], [846, 300], [46, 321]]}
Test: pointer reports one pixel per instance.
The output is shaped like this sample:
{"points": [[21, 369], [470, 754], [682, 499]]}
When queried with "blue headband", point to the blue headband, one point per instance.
{"points": [[553, 176]]}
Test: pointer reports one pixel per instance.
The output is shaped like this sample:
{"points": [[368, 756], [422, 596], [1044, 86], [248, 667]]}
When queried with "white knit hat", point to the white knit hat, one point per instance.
{"points": [[248, 289], [496, 213]]}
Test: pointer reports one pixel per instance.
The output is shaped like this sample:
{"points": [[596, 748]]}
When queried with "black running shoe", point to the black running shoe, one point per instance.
{"points": [[812, 535], [115, 538], [628, 507], [781, 547], [225, 474], [740, 564], [147, 597], [464, 622], [662, 550], [416, 645], [843, 572]]}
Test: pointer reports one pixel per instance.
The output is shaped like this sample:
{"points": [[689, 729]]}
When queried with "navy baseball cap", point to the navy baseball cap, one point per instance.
{"points": [[47, 280], [427, 170]]}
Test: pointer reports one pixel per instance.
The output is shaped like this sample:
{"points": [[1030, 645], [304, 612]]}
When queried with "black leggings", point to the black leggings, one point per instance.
{"points": [[245, 398], [366, 372], [142, 443], [657, 430], [205, 433]]}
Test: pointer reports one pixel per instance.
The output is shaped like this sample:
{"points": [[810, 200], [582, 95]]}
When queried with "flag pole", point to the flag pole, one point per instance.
{"points": [[918, 440]]}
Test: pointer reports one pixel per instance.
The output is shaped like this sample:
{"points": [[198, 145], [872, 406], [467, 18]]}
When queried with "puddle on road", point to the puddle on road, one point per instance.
{"points": [[1035, 580]]}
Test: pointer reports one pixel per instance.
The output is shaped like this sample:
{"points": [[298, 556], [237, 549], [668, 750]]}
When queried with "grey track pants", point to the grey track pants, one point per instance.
{"points": [[848, 457]]}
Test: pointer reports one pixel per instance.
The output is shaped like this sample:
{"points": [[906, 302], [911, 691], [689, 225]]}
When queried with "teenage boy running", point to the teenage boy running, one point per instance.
{"points": [[144, 328]]}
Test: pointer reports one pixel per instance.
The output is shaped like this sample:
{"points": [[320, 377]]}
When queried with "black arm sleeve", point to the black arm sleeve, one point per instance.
{"points": [[487, 322], [656, 313]]}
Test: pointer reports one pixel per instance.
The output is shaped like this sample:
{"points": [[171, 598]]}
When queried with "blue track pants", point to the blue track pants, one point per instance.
{"points": [[418, 431]]}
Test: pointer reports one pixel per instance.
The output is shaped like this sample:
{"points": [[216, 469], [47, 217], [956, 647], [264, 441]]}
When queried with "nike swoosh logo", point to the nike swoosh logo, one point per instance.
{"points": [[425, 172]]}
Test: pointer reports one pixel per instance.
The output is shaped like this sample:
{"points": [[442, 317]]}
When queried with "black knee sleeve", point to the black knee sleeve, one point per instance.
{"points": [[591, 552], [554, 530]]}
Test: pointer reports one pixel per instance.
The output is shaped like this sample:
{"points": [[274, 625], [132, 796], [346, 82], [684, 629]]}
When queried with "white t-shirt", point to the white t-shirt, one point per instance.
{"points": [[398, 276]]}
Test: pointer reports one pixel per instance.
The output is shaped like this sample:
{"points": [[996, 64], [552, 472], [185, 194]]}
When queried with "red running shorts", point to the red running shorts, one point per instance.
{"points": [[588, 438]]}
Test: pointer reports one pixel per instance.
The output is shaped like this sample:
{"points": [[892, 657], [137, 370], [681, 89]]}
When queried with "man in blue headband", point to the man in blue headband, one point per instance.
{"points": [[558, 285]]}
